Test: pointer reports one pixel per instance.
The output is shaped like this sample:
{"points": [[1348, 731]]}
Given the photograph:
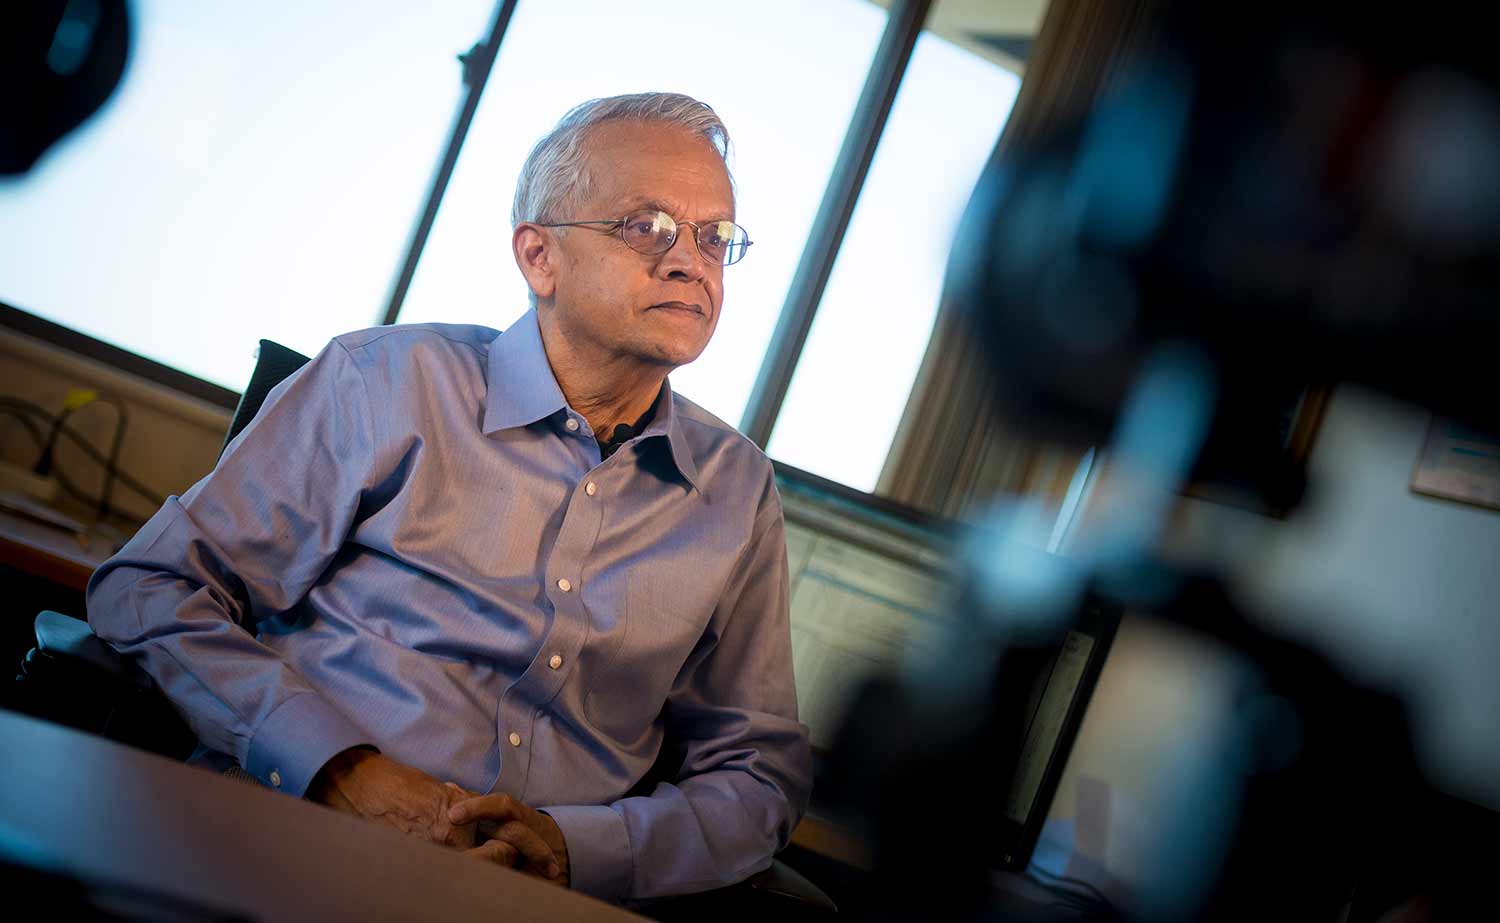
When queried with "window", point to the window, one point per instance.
{"points": [[256, 174], [783, 74], [876, 315]]}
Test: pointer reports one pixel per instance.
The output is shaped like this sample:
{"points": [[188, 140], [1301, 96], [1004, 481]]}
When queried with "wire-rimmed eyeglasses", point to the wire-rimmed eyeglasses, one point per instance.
{"points": [[654, 232]]}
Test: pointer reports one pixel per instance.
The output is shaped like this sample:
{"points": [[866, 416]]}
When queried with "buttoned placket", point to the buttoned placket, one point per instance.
{"points": [[551, 666]]}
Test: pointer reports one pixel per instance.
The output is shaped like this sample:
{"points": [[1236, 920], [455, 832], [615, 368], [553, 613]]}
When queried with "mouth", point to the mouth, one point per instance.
{"points": [[679, 307]]}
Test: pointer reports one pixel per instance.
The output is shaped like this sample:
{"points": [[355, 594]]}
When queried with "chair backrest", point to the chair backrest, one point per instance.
{"points": [[273, 363]]}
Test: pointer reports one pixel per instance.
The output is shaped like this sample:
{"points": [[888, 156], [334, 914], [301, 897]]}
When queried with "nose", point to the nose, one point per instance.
{"points": [[681, 262]]}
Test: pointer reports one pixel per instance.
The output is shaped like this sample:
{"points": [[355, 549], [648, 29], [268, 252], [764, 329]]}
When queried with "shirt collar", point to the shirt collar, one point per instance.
{"points": [[523, 390], [668, 422]]}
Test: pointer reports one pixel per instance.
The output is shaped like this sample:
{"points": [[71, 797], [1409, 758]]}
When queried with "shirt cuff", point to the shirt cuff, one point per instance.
{"points": [[599, 860], [296, 739]]}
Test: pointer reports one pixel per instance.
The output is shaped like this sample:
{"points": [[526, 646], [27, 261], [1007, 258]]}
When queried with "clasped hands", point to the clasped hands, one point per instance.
{"points": [[493, 828]]}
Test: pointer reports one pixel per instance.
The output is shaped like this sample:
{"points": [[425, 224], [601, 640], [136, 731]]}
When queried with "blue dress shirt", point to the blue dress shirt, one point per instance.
{"points": [[415, 545]]}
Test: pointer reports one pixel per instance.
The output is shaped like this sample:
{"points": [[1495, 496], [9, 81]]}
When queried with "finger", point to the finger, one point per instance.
{"points": [[460, 836], [497, 807], [538, 855], [497, 852]]}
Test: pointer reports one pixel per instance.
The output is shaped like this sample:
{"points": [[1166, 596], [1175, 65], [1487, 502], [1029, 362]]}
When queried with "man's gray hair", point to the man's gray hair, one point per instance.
{"points": [[555, 176]]}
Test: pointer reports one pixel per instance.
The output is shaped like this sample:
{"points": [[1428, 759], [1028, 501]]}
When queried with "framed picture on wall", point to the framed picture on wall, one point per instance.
{"points": [[1459, 463]]}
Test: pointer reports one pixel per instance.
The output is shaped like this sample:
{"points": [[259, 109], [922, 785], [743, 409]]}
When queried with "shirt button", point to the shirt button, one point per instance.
{"points": [[555, 661], [590, 488], [515, 739], [572, 425], [563, 584], [275, 778]]}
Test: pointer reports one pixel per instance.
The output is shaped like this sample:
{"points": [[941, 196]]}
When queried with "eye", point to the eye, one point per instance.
{"points": [[649, 232]]}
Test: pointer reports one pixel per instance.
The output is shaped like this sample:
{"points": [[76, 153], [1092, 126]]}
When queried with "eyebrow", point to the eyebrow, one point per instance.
{"points": [[636, 205]]}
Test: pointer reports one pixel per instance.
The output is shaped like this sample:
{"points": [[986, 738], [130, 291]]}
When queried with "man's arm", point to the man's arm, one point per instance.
{"points": [[747, 767], [243, 545]]}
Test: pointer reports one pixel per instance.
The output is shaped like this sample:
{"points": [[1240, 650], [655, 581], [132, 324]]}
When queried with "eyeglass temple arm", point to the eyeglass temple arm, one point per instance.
{"points": [[569, 224]]}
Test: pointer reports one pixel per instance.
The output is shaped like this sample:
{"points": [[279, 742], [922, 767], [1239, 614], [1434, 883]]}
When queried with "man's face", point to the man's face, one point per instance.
{"points": [[658, 309]]}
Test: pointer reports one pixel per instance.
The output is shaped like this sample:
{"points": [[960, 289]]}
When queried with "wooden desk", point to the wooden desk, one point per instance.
{"points": [[53, 554], [92, 809]]}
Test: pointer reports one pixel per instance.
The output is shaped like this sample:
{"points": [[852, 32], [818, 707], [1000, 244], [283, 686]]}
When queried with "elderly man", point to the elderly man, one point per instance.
{"points": [[478, 586]]}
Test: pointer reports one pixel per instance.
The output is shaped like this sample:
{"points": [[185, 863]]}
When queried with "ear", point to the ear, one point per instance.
{"points": [[535, 249]]}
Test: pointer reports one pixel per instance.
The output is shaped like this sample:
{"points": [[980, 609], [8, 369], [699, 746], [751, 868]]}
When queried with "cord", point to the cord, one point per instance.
{"points": [[112, 467], [43, 466], [30, 413], [36, 436], [72, 404]]}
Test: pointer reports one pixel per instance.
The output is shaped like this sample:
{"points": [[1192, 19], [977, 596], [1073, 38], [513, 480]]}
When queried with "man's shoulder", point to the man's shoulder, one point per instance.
{"points": [[404, 361], [709, 436], [413, 341], [701, 424]]}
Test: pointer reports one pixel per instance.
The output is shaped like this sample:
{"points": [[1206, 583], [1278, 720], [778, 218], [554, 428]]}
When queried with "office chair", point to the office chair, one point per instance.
{"points": [[73, 678]]}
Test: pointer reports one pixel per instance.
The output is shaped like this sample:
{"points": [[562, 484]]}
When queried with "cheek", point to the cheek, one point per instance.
{"points": [[598, 279], [715, 287]]}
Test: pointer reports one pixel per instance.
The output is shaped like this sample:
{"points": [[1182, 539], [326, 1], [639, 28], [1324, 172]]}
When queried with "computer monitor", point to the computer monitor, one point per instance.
{"points": [[873, 586], [871, 581], [1062, 690]]}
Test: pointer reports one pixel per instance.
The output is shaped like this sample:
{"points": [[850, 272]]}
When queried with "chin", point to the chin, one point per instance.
{"points": [[672, 354]]}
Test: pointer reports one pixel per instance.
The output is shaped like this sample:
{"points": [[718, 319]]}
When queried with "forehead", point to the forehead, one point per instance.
{"points": [[635, 164]]}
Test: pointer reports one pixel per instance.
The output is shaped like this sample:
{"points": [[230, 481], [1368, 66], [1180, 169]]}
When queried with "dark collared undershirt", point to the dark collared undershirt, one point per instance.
{"points": [[625, 432]]}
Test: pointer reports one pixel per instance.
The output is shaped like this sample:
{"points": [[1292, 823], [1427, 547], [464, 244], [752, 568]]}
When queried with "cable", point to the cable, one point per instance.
{"points": [[63, 481], [21, 409], [112, 467], [43, 466], [75, 402]]}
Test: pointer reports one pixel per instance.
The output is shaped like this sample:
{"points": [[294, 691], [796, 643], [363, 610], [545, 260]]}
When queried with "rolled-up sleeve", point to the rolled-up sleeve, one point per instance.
{"points": [[185, 595], [746, 764]]}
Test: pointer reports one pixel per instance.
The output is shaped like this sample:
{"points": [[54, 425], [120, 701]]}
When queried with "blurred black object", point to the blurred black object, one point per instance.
{"points": [[1311, 799], [59, 61], [1276, 194], [1307, 192]]}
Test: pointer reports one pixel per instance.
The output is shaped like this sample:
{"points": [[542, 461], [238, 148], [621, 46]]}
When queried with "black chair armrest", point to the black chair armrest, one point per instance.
{"points": [[65, 638], [72, 677], [784, 881]]}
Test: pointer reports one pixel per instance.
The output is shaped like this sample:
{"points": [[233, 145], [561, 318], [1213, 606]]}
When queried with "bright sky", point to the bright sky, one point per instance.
{"points": [[258, 176]]}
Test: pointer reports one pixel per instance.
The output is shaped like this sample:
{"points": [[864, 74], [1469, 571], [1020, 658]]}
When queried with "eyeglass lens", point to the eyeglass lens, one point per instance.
{"points": [[722, 242]]}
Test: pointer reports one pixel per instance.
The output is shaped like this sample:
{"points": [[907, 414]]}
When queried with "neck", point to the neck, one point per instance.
{"points": [[606, 389]]}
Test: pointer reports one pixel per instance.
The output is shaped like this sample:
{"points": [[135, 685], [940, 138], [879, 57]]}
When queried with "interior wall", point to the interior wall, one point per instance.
{"points": [[1402, 588], [171, 441]]}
